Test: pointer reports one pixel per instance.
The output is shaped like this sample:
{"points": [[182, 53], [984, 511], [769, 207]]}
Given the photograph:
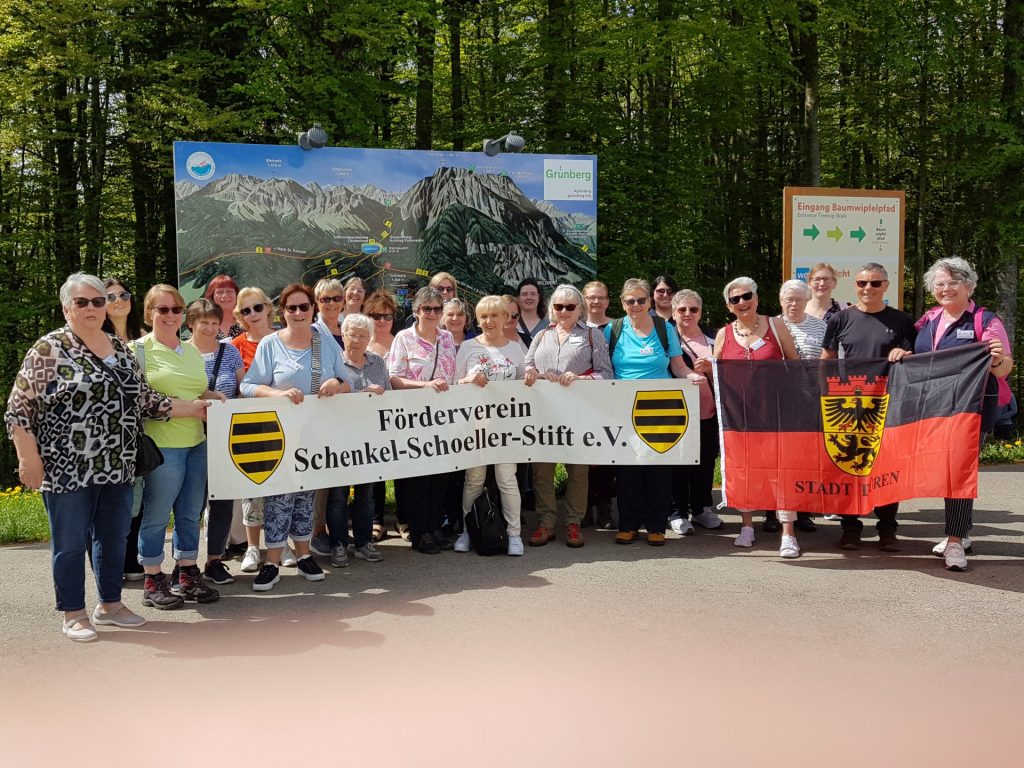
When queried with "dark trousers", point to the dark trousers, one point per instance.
{"points": [[421, 503], [600, 486], [131, 548], [691, 485], [886, 515], [218, 526], [645, 497], [379, 494], [360, 509]]}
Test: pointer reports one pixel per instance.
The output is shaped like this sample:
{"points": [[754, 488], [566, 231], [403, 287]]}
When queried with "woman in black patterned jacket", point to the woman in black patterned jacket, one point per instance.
{"points": [[74, 414]]}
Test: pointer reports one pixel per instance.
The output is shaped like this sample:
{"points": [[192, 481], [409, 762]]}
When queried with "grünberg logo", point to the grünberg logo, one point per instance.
{"points": [[200, 166]]}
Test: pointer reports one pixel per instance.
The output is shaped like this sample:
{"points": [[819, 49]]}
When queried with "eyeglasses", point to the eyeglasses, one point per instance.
{"points": [[360, 339], [329, 299], [564, 307], [378, 316], [82, 303], [223, 291], [664, 291], [691, 310], [121, 296], [446, 289], [950, 284], [741, 297], [257, 308], [822, 279], [293, 308], [162, 310], [872, 283], [431, 310], [596, 298], [633, 302]]}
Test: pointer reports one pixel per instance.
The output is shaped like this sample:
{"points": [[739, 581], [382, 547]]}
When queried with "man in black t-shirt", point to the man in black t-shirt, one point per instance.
{"points": [[870, 329]]}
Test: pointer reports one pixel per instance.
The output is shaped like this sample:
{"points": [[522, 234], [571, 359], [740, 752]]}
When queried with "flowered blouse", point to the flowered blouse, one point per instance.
{"points": [[413, 357], [85, 423]]}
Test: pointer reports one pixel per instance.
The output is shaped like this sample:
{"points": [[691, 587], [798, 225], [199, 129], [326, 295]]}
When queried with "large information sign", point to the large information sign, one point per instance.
{"points": [[845, 228]]}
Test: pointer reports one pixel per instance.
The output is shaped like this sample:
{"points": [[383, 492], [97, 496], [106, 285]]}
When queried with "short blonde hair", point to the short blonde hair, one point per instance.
{"points": [[595, 284], [326, 284], [436, 279], [150, 301], [635, 284], [489, 304]]}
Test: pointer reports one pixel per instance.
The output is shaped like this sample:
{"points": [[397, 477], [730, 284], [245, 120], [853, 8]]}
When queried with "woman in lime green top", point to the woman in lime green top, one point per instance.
{"points": [[176, 370]]}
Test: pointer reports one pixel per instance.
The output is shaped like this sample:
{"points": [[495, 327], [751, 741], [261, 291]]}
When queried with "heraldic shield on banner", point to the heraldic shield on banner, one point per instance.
{"points": [[853, 417], [660, 418], [256, 444]]}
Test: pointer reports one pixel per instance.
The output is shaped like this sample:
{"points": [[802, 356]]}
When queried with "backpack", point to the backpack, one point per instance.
{"points": [[485, 522], [659, 327]]}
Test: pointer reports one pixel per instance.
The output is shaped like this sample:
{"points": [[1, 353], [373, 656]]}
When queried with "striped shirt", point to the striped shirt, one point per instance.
{"points": [[584, 351], [374, 371], [808, 336]]}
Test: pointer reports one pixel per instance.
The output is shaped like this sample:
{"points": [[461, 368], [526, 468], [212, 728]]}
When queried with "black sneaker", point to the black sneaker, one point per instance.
{"points": [[771, 523], [235, 551], [156, 593], [193, 588], [309, 569], [217, 572], [268, 576], [444, 541], [427, 545]]}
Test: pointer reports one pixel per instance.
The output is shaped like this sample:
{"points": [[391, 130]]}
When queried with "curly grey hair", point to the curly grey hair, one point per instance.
{"points": [[958, 269]]}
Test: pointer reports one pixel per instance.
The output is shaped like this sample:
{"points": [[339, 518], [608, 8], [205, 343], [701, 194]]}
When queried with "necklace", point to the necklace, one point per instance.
{"points": [[743, 334]]}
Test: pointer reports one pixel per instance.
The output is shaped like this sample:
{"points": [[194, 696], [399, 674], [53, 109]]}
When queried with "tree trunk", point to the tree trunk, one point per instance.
{"points": [[453, 12], [805, 49], [555, 55], [425, 33], [65, 207], [1011, 235]]}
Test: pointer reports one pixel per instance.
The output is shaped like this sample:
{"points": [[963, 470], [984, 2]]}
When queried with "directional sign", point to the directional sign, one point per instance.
{"points": [[860, 226]]}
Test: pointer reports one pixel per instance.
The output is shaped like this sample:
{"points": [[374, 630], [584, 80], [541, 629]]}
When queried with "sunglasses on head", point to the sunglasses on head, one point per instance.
{"points": [[691, 310], [293, 308], [82, 303], [329, 299], [431, 310], [257, 308], [633, 302], [120, 296], [741, 297], [379, 316], [165, 310], [872, 283], [564, 307]]}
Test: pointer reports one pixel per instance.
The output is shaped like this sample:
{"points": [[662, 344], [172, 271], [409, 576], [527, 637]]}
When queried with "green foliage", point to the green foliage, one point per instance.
{"points": [[1003, 452], [22, 517]]}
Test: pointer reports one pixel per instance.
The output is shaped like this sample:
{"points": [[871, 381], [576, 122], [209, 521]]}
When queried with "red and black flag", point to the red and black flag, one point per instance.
{"points": [[845, 436]]}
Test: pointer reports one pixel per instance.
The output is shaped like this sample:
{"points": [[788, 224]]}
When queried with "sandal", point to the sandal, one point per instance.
{"points": [[402, 529], [79, 634], [379, 533]]}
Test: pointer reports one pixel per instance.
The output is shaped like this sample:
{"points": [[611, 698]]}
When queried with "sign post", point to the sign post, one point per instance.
{"points": [[845, 228]]}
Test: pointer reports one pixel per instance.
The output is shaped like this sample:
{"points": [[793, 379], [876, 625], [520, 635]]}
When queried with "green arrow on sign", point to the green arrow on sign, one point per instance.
{"points": [[813, 232], [835, 234], [859, 234]]}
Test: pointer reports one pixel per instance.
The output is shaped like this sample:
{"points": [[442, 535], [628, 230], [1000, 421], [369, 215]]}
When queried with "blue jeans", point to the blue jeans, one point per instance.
{"points": [[178, 484], [338, 511], [102, 512]]}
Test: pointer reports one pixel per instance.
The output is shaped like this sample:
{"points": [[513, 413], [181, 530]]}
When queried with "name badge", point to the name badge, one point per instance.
{"points": [[757, 345], [647, 351], [965, 333], [291, 366]]}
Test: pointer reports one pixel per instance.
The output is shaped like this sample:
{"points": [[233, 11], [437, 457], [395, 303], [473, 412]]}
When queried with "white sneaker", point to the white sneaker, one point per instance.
{"points": [[515, 546], [251, 560], [746, 537], [288, 559], [956, 560], [835, 518], [681, 525], [462, 543], [940, 549], [789, 548], [708, 519]]}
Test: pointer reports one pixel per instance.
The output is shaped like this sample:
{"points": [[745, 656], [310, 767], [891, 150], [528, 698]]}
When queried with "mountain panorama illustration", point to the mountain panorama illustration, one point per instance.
{"points": [[480, 227]]}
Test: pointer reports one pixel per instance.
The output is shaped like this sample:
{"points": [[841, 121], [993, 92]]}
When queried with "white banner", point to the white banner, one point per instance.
{"points": [[264, 446]]}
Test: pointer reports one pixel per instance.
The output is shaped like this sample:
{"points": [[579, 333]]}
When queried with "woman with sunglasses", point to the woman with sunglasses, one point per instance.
{"points": [[224, 372], [74, 414], [664, 289], [123, 321], [691, 486], [643, 347], [423, 356], [381, 307], [179, 484], [756, 337], [222, 290], [253, 311], [330, 297], [566, 351], [293, 363], [512, 332]]}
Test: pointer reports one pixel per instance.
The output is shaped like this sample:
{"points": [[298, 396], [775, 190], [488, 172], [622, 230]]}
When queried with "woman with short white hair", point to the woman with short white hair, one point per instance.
{"points": [[807, 330]]}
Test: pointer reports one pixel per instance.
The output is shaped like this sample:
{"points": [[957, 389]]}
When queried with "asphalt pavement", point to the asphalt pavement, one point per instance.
{"points": [[695, 653]]}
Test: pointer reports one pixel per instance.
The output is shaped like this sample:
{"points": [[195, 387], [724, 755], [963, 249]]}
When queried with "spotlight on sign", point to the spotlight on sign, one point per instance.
{"points": [[314, 138], [510, 142]]}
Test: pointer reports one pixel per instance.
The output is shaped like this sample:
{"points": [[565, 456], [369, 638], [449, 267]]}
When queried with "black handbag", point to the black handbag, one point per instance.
{"points": [[485, 523]]}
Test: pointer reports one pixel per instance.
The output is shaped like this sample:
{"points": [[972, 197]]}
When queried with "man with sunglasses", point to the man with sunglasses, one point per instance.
{"points": [[867, 329]]}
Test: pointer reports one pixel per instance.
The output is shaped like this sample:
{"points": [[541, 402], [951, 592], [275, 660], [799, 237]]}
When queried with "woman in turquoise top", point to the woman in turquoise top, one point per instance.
{"points": [[176, 370], [643, 350], [294, 362]]}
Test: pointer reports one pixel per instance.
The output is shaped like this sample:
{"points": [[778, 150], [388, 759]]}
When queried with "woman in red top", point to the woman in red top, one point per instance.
{"points": [[755, 337]]}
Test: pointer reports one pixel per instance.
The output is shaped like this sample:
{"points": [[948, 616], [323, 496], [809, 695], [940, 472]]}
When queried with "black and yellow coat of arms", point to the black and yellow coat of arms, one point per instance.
{"points": [[853, 417], [256, 444], [660, 418]]}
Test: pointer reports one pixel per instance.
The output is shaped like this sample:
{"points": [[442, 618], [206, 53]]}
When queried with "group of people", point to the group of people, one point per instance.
{"points": [[87, 390]]}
